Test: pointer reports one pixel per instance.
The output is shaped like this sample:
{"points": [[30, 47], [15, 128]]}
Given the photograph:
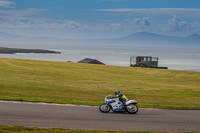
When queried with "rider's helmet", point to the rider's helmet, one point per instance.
{"points": [[117, 92]]}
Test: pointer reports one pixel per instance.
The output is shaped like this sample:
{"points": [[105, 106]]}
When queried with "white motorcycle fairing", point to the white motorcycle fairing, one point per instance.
{"points": [[116, 105], [131, 101]]}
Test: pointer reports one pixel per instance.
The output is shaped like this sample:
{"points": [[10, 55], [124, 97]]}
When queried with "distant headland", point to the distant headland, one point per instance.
{"points": [[4, 50]]}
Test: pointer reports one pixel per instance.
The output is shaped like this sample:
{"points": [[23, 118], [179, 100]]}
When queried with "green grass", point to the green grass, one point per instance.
{"points": [[87, 84], [16, 129]]}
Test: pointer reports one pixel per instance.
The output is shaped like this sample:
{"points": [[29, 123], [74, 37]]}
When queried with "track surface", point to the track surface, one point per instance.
{"points": [[80, 117]]}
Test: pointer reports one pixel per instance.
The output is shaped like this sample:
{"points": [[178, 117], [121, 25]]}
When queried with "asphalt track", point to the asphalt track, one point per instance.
{"points": [[85, 117]]}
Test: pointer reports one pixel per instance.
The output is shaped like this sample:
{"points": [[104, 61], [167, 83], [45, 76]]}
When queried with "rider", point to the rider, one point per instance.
{"points": [[121, 97]]}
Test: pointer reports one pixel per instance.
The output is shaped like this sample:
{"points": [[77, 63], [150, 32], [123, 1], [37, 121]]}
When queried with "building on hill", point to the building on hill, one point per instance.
{"points": [[90, 61], [145, 61]]}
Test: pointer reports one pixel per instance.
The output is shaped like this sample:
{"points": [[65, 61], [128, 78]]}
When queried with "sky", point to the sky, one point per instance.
{"points": [[78, 19]]}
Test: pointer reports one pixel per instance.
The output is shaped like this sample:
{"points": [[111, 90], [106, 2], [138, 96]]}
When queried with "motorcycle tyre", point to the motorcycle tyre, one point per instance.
{"points": [[130, 112], [106, 110]]}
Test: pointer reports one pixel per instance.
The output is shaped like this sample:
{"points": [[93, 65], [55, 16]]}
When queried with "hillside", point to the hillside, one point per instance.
{"points": [[4, 50], [135, 39], [152, 39], [87, 84]]}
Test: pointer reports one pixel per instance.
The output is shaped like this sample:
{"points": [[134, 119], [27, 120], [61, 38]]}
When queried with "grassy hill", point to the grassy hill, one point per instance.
{"points": [[76, 83]]}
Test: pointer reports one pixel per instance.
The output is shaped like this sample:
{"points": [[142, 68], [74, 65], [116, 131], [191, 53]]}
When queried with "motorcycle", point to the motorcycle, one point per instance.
{"points": [[116, 105]]}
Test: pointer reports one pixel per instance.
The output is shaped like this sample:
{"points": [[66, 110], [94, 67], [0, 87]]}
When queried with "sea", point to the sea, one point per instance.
{"points": [[174, 58]]}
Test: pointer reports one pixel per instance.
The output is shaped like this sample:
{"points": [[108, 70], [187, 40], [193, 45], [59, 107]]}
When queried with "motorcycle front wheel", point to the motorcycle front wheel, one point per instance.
{"points": [[104, 108], [132, 108]]}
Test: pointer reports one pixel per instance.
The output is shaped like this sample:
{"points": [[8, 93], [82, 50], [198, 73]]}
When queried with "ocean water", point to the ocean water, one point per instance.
{"points": [[173, 58]]}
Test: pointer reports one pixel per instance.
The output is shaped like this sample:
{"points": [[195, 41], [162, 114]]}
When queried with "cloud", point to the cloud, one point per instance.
{"points": [[195, 27], [6, 4], [116, 26], [152, 10], [71, 25], [38, 23], [22, 19], [176, 24], [19, 18], [155, 11], [145, 21], [149, 9], [18, 13]]}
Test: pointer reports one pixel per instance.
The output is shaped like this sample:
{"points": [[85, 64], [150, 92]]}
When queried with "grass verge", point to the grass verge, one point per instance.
{"points": [[16, 129], [87, 84]]}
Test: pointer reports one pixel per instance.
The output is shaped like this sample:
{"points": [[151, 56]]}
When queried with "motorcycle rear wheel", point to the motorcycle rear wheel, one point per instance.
{"points": [[132, 108], [104, 108]]}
